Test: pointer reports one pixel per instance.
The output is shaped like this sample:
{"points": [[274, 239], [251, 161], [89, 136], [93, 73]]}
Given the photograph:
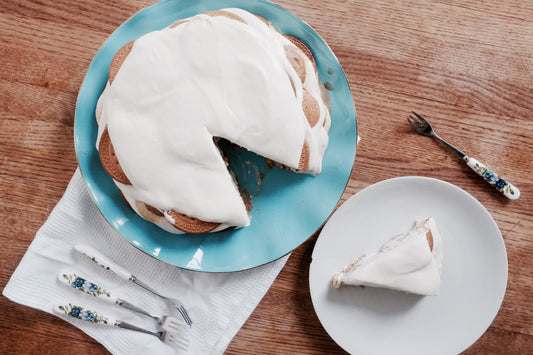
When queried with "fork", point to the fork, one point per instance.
{"points": [[422, 126], [84, 285], [173, 338], [122, 273]]}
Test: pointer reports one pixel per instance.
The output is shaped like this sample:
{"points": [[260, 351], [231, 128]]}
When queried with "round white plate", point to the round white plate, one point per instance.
{"points": [[381, 321]]}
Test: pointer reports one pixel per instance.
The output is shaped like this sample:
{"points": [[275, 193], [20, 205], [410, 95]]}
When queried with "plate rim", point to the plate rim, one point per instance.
{"points": [[353, 116]]}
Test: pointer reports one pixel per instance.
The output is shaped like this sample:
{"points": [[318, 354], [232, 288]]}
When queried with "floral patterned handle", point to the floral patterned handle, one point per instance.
{"points": [[82, 284], [80, 312], [502, 185], [104, 262]]}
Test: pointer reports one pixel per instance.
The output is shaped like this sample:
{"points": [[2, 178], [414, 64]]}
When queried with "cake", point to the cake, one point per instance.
{"points": [[409, 262], [172, 93]]}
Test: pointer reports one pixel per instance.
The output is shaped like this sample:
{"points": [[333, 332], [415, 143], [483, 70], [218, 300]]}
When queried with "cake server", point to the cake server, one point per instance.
{"points": [[128, 276], [170, 337], [422, 126]]}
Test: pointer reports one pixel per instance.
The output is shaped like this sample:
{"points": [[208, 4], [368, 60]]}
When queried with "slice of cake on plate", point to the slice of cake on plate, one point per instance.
{"points": [[409, 262]]}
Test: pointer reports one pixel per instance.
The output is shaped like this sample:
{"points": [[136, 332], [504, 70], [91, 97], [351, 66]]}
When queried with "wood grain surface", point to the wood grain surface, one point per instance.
{"points": [[466, 65]]}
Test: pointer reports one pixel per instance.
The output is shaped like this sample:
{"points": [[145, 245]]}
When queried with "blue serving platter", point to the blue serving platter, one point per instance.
{"points": [[288, 208]]}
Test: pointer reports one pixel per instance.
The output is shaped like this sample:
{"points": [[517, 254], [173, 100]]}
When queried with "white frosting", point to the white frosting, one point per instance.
{"points": [[404, 263], [210, 76]]}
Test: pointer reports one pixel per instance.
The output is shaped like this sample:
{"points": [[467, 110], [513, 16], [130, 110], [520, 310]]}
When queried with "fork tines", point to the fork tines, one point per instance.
{"points": [[177, 334], [418, 120], [184, 314]]}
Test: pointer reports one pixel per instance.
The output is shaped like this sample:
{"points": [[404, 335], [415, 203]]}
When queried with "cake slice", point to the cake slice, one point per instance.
{"points": [[409, 262]]}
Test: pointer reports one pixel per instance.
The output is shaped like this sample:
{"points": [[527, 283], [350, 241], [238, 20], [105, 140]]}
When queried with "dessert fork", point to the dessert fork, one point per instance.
{"points": [[422, 126], [170, 337], [118, 270]]}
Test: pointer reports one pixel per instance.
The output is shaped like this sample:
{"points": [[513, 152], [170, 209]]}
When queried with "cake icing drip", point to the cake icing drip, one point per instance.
{"points": [[206, 77], [409, 262]]}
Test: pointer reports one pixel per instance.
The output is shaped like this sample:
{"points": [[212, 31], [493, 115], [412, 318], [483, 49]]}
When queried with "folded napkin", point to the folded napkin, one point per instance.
{"points": [[218, 304]]}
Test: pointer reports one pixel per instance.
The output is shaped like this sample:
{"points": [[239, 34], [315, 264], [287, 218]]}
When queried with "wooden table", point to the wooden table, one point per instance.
{"points": [[467, 65]]}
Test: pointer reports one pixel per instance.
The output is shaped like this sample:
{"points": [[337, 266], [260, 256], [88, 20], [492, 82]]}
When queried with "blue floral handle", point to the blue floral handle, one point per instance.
{"points": [[83, 313], [82, 284], [502, 185]]}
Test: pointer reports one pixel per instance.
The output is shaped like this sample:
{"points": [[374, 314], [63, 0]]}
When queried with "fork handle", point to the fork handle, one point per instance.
{"points": [[81, 283], [74, 310], [502, 185], [104, 262]]}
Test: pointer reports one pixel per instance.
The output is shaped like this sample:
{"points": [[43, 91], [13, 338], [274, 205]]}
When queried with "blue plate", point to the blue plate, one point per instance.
{"points": [[288, 207]]}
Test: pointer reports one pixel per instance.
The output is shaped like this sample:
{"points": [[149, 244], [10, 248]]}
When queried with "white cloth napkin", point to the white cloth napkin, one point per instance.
{"points": [[218, 304]]}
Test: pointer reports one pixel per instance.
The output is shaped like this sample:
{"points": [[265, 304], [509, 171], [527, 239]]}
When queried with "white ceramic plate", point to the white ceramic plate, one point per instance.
{"points": [[380, 321]]}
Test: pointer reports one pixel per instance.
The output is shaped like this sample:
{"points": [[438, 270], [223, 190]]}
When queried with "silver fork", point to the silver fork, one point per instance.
{"points": [[177, 339], [107, 264], [422, 126]]}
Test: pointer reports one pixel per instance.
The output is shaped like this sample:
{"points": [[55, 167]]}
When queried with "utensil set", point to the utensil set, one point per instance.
{"points": [[172, 328], [127, 276]]}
